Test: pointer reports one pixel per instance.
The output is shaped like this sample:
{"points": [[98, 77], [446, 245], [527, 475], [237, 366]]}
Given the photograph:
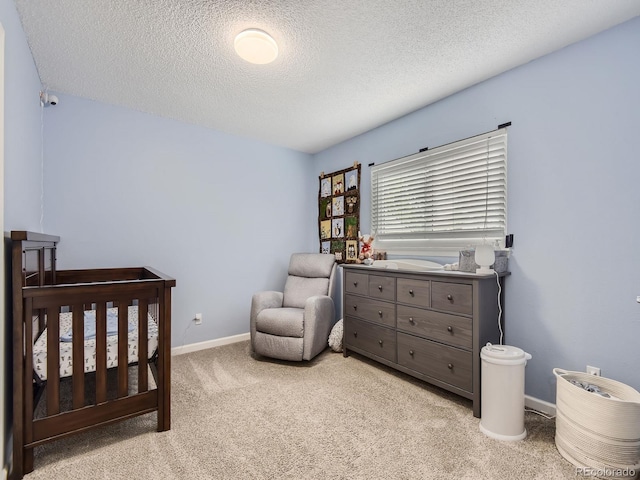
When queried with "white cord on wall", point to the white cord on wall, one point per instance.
{"points": [[41, 167], [550, 417], [184, 333], [499, 306]]}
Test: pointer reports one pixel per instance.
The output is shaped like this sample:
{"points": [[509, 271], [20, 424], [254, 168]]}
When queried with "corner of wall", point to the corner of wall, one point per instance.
{"points": [[3, 372]]}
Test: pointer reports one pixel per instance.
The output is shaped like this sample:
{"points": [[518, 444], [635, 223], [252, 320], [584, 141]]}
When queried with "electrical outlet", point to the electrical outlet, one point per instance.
{"points": [[593, 370], [198, 318]]}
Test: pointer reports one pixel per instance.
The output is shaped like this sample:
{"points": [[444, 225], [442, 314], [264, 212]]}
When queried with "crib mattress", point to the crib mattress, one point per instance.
{"points": [[66, 348]]}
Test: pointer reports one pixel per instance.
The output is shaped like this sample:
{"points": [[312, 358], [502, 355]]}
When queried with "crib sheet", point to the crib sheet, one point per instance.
{"points": [[66, 348]]}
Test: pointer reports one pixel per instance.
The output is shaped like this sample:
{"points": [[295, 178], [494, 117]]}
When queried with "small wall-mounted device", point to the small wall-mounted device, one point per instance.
{"points": [[47, 99], [508, 241]]}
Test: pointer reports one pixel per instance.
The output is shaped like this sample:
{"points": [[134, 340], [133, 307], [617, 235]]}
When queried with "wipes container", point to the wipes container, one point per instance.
{"points": [[467, 261]]}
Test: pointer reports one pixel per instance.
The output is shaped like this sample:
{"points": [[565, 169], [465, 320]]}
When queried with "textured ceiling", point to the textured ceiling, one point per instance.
{"points": [[344, 66]]}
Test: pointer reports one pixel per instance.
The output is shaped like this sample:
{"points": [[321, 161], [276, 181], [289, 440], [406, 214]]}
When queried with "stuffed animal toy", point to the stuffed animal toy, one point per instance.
{"points": [[366, 249]]}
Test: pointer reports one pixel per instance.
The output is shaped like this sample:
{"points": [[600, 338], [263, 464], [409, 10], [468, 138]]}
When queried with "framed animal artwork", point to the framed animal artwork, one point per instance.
{"points": [[339, 213]]}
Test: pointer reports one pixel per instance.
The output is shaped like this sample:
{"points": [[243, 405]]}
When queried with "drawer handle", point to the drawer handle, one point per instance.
{"points": [[355, 334], [380, 287], [355, 307], [450, 298], [450, 366], [411, 320], [380, 342], [450, 329], [380, 312], [411, 352], [355, 284], [411, 292]]}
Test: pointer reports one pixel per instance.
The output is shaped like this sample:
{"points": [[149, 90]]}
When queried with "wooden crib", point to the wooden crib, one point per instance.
{"points": [[137, 302]]}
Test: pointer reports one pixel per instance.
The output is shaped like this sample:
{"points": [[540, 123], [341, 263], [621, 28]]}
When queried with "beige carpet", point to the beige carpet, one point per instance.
{"points": [[235, 417]]}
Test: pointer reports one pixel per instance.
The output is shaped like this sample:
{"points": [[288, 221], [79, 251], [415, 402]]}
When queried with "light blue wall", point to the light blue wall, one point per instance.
{"points": [[22, 136], [219, 213], [22, 171], [574, 198]]}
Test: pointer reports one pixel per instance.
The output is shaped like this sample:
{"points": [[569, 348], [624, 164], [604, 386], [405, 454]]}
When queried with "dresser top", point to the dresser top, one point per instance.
{"points": [[435, 273]]}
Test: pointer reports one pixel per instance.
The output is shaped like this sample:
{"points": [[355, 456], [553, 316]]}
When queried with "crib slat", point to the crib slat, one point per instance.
{"points": [[53, 361], [41, 268], [101, 353], [143, 344], [41, 323], [123, 346], [28, 386], [77, 340], [164, 359]]}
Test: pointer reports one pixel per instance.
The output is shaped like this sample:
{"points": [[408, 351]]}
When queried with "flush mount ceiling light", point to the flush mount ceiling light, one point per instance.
{"points": [[256, 46]]}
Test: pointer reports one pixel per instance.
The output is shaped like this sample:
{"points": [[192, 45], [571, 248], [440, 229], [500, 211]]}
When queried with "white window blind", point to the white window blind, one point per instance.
{"points": [[444, 199]]}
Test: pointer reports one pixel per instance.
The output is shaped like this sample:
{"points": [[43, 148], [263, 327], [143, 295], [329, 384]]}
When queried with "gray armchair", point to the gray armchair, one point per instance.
{"points": [[295, 324]]}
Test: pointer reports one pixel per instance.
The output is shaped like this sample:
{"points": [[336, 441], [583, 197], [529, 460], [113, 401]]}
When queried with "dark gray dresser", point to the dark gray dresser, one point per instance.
{"points": [[431, 325]]}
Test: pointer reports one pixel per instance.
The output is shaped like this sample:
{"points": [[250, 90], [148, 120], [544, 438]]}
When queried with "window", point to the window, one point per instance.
{"points": [[440, 201]]}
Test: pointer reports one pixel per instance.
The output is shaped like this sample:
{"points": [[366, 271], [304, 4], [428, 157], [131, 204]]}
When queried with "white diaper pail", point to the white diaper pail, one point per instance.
{"points": [[502, 394]]}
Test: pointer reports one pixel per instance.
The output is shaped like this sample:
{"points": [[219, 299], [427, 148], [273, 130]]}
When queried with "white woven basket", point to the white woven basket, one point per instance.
{"points": [[595, 431]]}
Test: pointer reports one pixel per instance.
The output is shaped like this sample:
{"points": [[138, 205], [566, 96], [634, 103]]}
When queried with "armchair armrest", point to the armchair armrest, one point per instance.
{"points": [[261, 301], [319, 317]]}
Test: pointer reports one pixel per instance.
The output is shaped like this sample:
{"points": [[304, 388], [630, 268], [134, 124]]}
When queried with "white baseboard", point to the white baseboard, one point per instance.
{"points": [[540, 405], [194, 347], [4, 473]]}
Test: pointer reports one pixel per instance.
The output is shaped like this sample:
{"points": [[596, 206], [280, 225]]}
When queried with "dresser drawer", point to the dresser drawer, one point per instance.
{"points": [[382, 287], [375, 339], [413, 292], [442, 327], [356, 283], [452, 297], [372, 310], [447, 364]]}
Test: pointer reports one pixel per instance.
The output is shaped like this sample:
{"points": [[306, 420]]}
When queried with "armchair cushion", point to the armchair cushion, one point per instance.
{"points": [[311, 265], [283, 322], [298, 289]]}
